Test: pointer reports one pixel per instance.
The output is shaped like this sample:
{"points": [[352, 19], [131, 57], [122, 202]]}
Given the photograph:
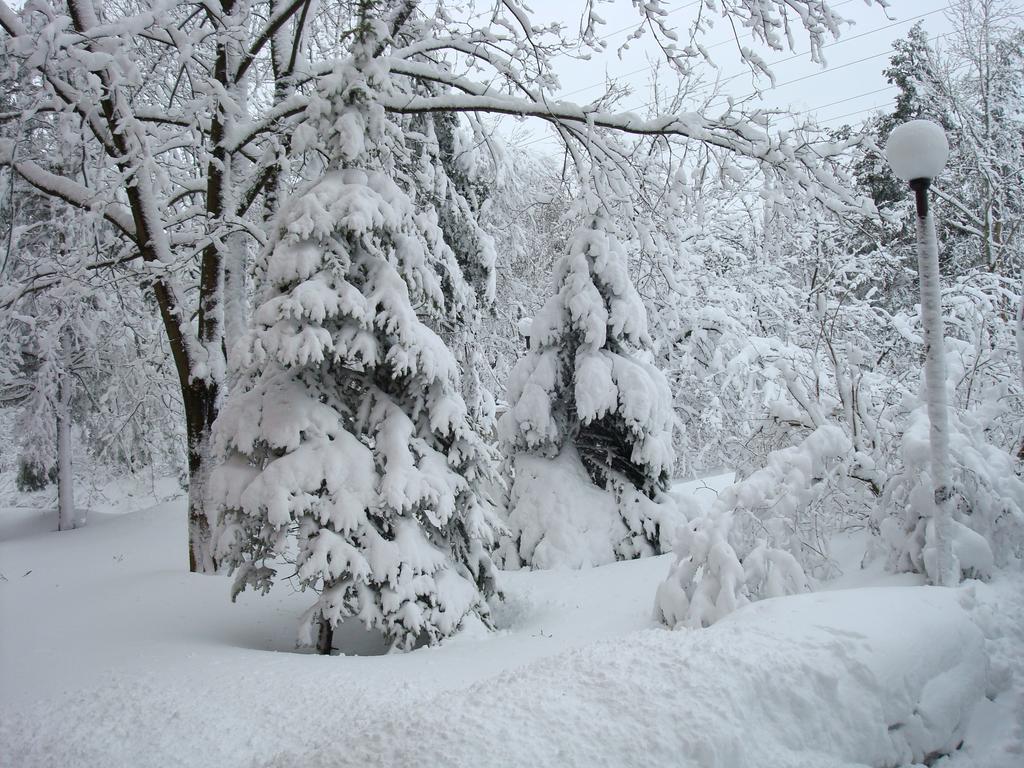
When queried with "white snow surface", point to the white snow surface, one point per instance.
{"points": [[112, 655], [917, 149]]}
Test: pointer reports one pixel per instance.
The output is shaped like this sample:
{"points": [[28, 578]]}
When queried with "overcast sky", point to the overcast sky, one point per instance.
{"points": [[845, 91]]}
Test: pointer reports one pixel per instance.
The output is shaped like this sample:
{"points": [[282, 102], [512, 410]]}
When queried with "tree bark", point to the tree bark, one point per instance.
{"points": [[66, 517], [325, 637], [200, 412]]}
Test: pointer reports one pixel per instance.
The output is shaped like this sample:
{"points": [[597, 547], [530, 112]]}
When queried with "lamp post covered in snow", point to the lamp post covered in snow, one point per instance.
{"points": [[917, 152]]}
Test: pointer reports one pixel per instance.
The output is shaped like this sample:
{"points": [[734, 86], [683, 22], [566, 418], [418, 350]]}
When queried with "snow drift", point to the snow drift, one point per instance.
{"points": [[160, 671], [877, 677]]}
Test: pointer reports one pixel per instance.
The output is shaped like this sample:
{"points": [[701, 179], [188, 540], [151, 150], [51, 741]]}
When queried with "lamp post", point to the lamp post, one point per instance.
{"points": [[917, 152]]}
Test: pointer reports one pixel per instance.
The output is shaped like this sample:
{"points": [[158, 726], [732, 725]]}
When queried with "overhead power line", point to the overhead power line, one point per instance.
{"points": [[856, 112], [803, 78], [836, 44]]}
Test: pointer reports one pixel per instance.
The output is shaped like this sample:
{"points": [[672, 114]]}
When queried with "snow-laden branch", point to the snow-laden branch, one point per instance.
{"points": [[803, 162], [51, 105], [162, 116], [687, 124], [75, 194], [240, 134], [275, 23], [10, 22]]}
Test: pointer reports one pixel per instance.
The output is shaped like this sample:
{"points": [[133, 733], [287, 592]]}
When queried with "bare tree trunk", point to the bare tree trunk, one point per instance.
{"points": [[236, 311], [200, 412], [200, 533], [66, 518], [1019, 333], [325, 637]]}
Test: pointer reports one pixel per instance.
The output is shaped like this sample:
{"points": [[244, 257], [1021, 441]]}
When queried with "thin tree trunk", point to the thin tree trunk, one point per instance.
{"points": [[200, 412], [1019, 333], [200, 533], [201, 407], [236, 310], [66, 519], [325, 637]]}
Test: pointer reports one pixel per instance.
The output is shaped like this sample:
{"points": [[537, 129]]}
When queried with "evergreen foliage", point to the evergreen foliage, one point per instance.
{"points": [[588, 383], [349, 439]]}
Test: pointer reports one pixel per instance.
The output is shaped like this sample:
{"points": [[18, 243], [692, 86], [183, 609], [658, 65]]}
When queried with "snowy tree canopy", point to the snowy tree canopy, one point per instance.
{"points": [[211, 113]]}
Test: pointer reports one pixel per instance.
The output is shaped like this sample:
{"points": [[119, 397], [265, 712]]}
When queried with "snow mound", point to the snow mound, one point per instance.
{"points": [[561, 519], [558, 517], [995, 736], [861, 677], [160, 670]]}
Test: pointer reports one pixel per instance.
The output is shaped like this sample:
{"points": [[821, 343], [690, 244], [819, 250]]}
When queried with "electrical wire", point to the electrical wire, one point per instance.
{"points": [[803, 78]]}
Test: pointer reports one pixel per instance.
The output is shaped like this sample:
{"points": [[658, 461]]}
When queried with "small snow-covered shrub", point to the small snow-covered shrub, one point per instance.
{"points": [[988, 501], [709, 579], [796, 501], [32, 476], [706, 581], [985, 422], [764, 534]]}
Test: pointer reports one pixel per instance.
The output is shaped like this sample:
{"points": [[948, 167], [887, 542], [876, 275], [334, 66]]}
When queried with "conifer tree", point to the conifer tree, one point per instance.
{"points": [[350, 432], [588, 387], [208, 115]]}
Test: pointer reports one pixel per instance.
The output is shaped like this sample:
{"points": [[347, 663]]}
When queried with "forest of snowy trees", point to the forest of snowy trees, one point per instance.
{"points": [[282, 251]]}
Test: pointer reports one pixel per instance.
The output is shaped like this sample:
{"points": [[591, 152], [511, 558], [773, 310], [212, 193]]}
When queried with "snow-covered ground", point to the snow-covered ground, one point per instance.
{"points": [[111, 654]]}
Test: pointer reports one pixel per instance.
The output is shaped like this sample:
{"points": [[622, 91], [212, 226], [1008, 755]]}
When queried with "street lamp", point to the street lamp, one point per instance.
{"points": [[917, 152]]}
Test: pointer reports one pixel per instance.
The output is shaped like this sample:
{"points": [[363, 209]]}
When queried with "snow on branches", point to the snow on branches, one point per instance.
{"points": [[200, 123], [588, 389], [762, 535], [987, 526], [350, 433], [710, 580]]}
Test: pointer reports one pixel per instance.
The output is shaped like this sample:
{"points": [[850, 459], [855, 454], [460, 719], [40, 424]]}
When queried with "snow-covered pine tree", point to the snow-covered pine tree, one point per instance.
{"points": [[348, 429], [587, 396], [449, 189]]}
